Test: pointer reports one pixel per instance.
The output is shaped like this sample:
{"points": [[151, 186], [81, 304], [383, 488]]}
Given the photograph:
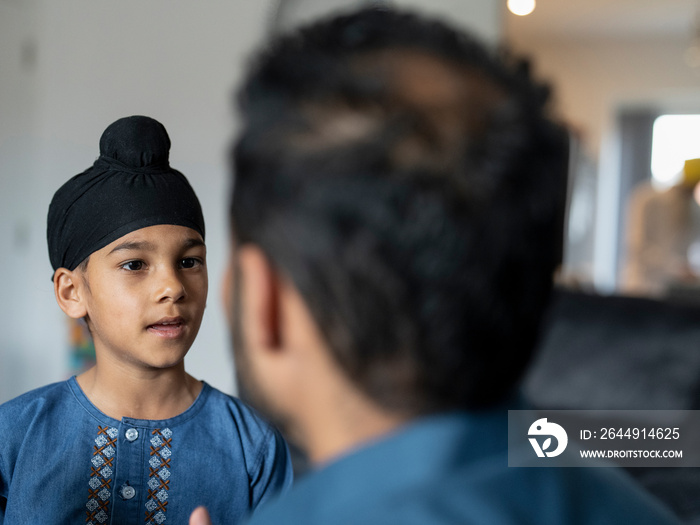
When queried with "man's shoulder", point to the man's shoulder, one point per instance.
{"points": [[548, 495], [588, 499], [400, 481]]}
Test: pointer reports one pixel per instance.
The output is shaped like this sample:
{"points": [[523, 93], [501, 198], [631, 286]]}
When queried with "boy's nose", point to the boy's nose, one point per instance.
{"points": [[170, 287]]}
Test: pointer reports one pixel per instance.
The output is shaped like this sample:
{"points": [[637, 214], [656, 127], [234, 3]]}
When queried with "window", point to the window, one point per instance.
{"points": [[675, 139]]}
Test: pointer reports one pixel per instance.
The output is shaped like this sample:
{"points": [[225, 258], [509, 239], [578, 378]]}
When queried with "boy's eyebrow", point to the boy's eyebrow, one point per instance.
{"points": [[133, 245], [192, 242], [149, 246]]}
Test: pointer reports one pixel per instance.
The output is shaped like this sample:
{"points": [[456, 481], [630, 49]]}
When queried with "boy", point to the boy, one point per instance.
{"points": [[135, 439]]}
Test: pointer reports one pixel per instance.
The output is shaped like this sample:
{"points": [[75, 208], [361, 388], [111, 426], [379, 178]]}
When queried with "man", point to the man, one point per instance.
{"points": [[396, 222]]}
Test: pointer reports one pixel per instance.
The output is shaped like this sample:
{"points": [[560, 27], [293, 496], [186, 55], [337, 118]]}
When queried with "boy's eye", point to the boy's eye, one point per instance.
{"points": [[133, 266], [189, 262]]}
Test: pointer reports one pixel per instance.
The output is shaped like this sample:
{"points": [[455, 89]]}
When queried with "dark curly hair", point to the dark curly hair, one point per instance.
{"points": [[411, 184]]}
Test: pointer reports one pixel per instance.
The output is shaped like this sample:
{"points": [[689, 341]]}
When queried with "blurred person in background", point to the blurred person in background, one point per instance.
{"points": [[663, 237]]}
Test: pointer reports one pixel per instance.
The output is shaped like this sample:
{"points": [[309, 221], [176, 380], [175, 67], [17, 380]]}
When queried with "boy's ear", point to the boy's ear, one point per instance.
{"points": [[69, 288], [260, 299]]}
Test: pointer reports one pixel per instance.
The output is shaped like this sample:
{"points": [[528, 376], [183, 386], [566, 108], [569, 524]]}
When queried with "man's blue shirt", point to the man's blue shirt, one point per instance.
{"points": [[64, 461], [453, 469]]}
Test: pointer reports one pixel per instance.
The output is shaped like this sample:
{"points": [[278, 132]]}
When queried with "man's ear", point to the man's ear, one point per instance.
{"points": [[260, 298], [69, 288]]}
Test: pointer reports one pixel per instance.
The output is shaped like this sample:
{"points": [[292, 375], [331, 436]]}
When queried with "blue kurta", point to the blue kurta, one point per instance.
{"points": [[453, 469], [64, 461]]}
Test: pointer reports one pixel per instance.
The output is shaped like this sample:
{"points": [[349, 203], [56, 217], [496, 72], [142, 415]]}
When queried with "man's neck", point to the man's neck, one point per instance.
{"points": [[346, 423]]}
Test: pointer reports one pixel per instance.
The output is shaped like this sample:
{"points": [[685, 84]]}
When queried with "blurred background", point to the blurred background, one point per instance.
{"points": [[626, 75]]}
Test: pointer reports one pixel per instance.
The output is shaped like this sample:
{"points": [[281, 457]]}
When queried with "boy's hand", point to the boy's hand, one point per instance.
{"points": [[200, 516]]}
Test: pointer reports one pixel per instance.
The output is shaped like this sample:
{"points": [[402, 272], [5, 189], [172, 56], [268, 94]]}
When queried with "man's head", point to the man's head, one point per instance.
{"points": [[409, 185]]}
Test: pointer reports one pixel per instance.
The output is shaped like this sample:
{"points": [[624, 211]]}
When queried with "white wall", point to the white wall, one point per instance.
{"points": [[18, 221], [482, 17], [594, 79], [71, 67]]}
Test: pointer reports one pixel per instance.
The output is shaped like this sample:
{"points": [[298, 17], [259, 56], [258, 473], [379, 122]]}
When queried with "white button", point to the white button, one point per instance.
{"points": [[128, 492], [132, 434]]}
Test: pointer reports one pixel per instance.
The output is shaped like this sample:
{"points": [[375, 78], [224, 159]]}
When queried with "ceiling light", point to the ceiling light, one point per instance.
{"points": [[521, 7]]}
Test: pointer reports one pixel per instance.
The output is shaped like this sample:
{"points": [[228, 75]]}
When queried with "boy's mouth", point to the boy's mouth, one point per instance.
{"points": [[169, 327]]}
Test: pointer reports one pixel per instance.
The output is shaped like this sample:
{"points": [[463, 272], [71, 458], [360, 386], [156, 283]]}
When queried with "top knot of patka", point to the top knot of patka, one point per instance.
{"points": [[136, 142]]}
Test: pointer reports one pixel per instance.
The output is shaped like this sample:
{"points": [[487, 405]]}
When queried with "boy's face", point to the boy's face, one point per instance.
{"points": [[145, 295]]}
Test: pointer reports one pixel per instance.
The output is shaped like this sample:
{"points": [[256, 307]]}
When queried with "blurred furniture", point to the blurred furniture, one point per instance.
{"points": [[614, 352]]}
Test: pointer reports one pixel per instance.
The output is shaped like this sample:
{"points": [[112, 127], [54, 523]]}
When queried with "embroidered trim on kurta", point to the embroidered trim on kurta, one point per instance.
{"points": [[101, 471], [159, 476]]}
